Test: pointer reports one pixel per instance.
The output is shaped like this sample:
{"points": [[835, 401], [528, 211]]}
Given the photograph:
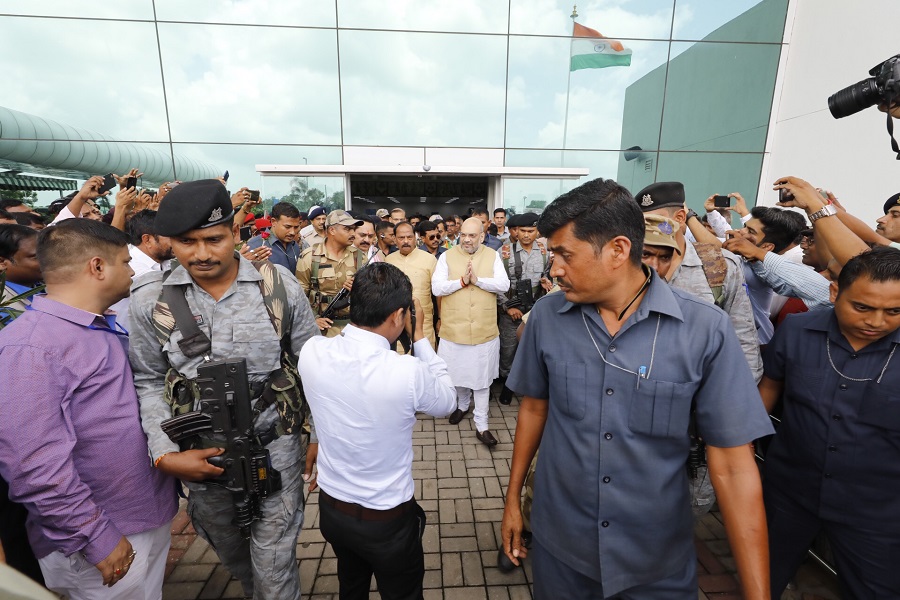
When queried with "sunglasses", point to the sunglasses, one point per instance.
{"points": [[432, 237]]}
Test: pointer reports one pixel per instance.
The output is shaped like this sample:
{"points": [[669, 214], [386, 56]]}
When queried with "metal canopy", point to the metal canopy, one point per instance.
{"points": [[19, 181]]}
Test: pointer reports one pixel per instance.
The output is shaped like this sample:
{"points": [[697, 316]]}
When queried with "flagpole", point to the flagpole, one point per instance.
{"points": [[574, 15]]}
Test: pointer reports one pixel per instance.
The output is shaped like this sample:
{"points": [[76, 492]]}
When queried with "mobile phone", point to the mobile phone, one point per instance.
{"points": [[109, 182], [722, 201], [784, 195], [225, 176], [245, 233], [130, 182], [254, 195]]}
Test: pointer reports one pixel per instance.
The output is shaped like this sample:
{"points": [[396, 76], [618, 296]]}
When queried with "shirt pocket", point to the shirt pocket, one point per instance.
{"points": [[880, 407], [803, 384], [177, 358], [255, 338], [661, 408], [568, 388]]}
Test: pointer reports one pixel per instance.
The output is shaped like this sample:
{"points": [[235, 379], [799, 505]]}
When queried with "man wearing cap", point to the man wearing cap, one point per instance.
{"points": [[418, 265], [712, 274], [327, 267], [314, 233], [383, 214], [524, 266], [223, 294], [468, 278]]}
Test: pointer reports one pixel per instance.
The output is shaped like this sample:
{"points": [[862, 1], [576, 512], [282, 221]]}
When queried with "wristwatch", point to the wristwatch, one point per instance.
{"points": [[826, 211], [691, 214]]}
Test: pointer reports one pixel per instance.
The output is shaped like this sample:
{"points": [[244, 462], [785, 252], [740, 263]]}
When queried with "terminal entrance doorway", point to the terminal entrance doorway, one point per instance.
{"points": [[418, 194]]}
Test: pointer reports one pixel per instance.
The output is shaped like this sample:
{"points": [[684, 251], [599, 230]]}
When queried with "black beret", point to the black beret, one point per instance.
{"points": [[659, 194], [193, 205], [892, 202], [528, 219]]}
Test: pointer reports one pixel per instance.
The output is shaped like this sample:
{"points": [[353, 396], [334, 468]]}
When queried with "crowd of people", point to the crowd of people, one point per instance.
{"points": [[647, 346]]}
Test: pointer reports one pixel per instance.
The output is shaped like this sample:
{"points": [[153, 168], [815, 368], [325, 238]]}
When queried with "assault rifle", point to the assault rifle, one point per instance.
{"points": [[339, 302], [225, 411]]}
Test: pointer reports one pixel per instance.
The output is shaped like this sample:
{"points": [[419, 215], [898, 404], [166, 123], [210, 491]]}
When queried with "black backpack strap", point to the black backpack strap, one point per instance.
{"points": [[518, 262], [193, 341]]}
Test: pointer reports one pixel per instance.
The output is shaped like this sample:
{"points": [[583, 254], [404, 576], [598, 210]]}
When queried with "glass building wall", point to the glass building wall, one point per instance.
{"points": [[211, 86]]}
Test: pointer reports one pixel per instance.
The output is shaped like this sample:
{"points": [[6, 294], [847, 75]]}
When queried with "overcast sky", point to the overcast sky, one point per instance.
{"points": [[237, 96]]}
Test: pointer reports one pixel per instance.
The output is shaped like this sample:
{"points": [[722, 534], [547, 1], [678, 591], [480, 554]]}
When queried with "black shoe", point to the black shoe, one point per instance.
{"points": [[506, 395], [503, 563], [486, 438], [457, 415]]}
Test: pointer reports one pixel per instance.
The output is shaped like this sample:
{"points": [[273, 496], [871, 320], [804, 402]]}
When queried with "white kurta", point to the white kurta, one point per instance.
{"points": [[470, 366], [473, 367]]}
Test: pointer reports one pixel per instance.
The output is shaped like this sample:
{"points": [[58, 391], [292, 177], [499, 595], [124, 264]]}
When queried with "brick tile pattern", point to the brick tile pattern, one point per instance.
{"points": [[460, 485]]}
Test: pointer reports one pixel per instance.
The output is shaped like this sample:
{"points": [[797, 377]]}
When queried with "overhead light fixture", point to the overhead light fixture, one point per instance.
{"points": [[394, 200], [452, 200], [422, 199]]}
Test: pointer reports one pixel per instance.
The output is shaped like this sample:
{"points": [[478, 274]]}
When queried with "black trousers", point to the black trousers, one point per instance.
{"points": [[866, 560], [389, 550]]}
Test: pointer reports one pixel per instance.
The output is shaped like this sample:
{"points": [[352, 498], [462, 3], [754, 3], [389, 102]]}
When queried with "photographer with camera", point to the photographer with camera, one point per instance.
{"points": [[364, 398], [882, 89]]}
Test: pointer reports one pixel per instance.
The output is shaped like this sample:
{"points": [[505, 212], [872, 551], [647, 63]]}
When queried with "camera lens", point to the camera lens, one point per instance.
{"points": [[854, 98]]}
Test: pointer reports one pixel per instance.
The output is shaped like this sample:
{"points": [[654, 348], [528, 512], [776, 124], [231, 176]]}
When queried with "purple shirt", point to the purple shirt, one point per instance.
{"points": [[71, 443]]}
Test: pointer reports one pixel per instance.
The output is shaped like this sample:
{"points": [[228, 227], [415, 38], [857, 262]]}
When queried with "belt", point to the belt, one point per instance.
{"points": [[366, 514]]}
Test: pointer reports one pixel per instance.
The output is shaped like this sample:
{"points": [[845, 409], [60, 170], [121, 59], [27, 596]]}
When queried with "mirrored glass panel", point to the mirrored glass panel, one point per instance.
{"points": [[279, 85], [415, 89], [101, 76], [526, 194], [464, 16], [732, 21], [240, 160], [303, 192], [719, 96], [100, 9], [551, 107], [633, 19], [310, 13], [706, 173]]}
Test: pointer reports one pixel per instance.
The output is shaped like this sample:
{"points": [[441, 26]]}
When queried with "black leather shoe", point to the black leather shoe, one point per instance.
{"points": [[503, 563], [486, 437], [457, 415], [506, 395]]}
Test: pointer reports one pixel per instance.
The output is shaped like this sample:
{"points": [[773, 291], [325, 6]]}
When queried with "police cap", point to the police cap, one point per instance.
{"points": [[892, 202], [193, 205], [659, 194]]}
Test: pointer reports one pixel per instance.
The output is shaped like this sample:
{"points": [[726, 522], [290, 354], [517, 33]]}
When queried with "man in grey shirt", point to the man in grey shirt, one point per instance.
{"points": [[689, 273], [223, 293], [609, 370]]}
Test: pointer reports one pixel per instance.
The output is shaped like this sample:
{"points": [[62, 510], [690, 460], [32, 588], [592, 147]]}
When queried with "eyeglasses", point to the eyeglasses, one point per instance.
{"points": [[432, 237], [807, 241]]}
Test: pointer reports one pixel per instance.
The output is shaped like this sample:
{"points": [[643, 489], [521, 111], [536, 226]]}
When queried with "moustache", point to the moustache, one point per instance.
{"points": [[204, 263]]}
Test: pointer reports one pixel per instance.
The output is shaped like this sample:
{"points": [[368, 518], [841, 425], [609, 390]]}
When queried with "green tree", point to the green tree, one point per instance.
{"points": [[26, 196]]}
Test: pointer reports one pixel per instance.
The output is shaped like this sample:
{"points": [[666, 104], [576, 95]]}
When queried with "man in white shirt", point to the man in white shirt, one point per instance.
{"points": [[149, 252], [469, 277], [364, 398]]}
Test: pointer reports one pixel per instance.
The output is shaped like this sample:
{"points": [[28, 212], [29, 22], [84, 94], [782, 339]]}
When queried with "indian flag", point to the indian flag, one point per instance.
{"points": [[590, 50]]}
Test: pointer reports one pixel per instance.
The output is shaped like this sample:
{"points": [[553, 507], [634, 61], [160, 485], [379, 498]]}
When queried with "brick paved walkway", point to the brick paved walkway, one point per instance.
{"points": [[459, 484]]}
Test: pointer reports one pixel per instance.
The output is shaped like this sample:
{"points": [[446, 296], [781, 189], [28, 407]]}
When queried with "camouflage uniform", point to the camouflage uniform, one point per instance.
{"points": [[333, 271], [734, 300], [239, 327], [533, 264]]}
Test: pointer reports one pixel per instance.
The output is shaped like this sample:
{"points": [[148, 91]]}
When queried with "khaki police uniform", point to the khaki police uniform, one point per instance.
{"points": [[322, 275]]}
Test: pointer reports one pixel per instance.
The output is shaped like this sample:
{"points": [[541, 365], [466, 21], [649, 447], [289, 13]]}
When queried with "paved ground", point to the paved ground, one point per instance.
{"points": [[460, 485]]}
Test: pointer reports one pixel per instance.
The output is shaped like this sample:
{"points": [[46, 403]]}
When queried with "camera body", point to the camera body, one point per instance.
{"points": [[882, 87]]}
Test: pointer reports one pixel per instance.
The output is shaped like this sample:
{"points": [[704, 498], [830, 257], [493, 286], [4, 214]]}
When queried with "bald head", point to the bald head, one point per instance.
{"points": [[471, 234]]}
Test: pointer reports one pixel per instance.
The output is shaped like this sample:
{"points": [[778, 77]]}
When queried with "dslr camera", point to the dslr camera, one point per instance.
{"points": [[882, 87]]}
